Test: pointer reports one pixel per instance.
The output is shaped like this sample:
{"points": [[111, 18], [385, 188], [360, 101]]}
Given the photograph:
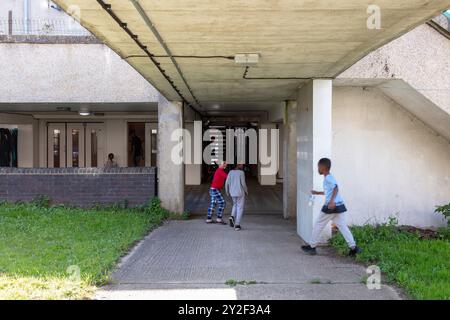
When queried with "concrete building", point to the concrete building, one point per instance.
{"points": [[375, 100]]}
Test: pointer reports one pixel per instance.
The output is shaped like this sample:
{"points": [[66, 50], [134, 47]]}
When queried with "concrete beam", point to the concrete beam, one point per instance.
{"points": [[314, 134], [170, 174]]}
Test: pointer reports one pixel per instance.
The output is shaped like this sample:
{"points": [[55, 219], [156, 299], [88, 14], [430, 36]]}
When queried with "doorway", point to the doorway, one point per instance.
{"points": [[142, 144], [262, 199]]}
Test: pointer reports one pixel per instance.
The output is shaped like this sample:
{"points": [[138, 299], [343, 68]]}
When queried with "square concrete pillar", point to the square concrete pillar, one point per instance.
{"points": [[193, 167], [170, 172], [314, 140], [290, 161], [268, 144]]}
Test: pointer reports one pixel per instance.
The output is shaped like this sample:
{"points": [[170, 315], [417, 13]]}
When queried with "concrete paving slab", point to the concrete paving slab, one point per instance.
{"points": [[190, 260]]}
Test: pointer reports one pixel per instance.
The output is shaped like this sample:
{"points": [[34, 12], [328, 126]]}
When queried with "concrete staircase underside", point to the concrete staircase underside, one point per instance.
{"points": [[414, 71], [410, 99]]}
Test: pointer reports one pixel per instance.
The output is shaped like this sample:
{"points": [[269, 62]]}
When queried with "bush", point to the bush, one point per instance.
{"points": [[42, 202], [158, 213], [445, 211]]}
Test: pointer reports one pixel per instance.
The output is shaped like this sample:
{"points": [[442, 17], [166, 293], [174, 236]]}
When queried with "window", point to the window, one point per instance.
{"points": [[56, 148], [94, 145], [75, 148]]}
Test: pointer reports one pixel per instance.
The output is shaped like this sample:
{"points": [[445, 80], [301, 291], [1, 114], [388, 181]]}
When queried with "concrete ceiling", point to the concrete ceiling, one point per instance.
{"points": [[75, 107], [296, 39]]}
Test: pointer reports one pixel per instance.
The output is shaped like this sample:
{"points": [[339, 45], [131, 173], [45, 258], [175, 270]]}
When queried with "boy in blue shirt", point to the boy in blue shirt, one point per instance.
{"points": [[333, 210]]}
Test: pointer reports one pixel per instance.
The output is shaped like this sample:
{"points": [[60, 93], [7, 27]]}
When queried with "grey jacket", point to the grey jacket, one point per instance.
{"points": [[235, 185]]}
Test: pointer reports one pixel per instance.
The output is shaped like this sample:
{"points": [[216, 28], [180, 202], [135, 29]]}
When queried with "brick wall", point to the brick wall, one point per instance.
{"points": [[78, 186]]}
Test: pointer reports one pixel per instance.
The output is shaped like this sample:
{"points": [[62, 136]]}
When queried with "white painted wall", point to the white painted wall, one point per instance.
{"points": [[117, 141], [387, 162]]}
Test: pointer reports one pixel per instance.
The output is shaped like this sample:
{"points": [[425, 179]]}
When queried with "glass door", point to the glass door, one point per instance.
{"points": [[75, 145], [56, 142], [151, 144], [95, 145]]}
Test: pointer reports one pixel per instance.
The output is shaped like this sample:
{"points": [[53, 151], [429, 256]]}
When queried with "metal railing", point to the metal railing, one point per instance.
{"points": [[40, 27]]}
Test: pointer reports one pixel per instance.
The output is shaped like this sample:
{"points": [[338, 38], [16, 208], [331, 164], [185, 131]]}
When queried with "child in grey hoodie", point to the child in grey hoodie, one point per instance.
{"points": [[236, 187]]}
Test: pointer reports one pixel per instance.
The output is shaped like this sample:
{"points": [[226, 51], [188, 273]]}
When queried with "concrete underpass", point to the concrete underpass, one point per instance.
{"points": [[328, 77]]}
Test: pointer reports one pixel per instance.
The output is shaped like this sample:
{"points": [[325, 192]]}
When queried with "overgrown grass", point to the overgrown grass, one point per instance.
{"points": [[42, 248], [420, 266]]}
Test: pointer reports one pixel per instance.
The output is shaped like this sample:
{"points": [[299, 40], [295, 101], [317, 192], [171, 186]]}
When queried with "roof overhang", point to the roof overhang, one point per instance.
{"points": [[192, 43]]}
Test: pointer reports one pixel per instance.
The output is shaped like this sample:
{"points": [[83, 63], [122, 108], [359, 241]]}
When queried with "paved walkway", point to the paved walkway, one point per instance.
{"points": [[192, 260]]}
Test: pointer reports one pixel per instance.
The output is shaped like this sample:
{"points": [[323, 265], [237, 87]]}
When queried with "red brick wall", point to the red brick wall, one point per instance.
{"points": [[79, 186]]}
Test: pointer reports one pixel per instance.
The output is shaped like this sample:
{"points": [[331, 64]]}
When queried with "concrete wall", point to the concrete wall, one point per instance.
{"points": [[421, 58], [69, 73], [387, 162], [79, 187]]}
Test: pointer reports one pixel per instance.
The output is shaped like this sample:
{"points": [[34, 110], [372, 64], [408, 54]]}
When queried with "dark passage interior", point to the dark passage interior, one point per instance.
{"points": [[262, 200]]}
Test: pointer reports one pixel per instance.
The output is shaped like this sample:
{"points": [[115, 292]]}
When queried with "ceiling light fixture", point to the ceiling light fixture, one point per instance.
{"points": [[247, 59], [84, 111]]}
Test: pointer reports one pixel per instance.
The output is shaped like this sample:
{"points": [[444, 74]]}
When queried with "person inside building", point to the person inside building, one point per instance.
{"points": [[236, 188], [136, 149], [110, 163], [217, 199]]}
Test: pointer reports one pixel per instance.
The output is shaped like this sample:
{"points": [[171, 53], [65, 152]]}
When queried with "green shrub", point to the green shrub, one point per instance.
{"points": [[42, 202], [445, 211]]}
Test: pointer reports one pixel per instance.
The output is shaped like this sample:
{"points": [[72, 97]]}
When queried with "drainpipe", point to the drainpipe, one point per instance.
{"points": [[26, 15]]}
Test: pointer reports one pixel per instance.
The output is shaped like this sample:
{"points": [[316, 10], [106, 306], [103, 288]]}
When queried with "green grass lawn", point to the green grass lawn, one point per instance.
{"points": [[42, 249], [420, 266]]}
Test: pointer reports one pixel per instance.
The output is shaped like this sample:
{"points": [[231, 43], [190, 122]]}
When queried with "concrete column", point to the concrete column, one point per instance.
{"points": [[170, 174], [272, 151], [193, 170], [314, 138], [290, 161]]}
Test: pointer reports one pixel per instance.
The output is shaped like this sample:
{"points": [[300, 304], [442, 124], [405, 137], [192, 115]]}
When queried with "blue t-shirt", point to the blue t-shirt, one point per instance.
{"points": [[329, 183]]}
